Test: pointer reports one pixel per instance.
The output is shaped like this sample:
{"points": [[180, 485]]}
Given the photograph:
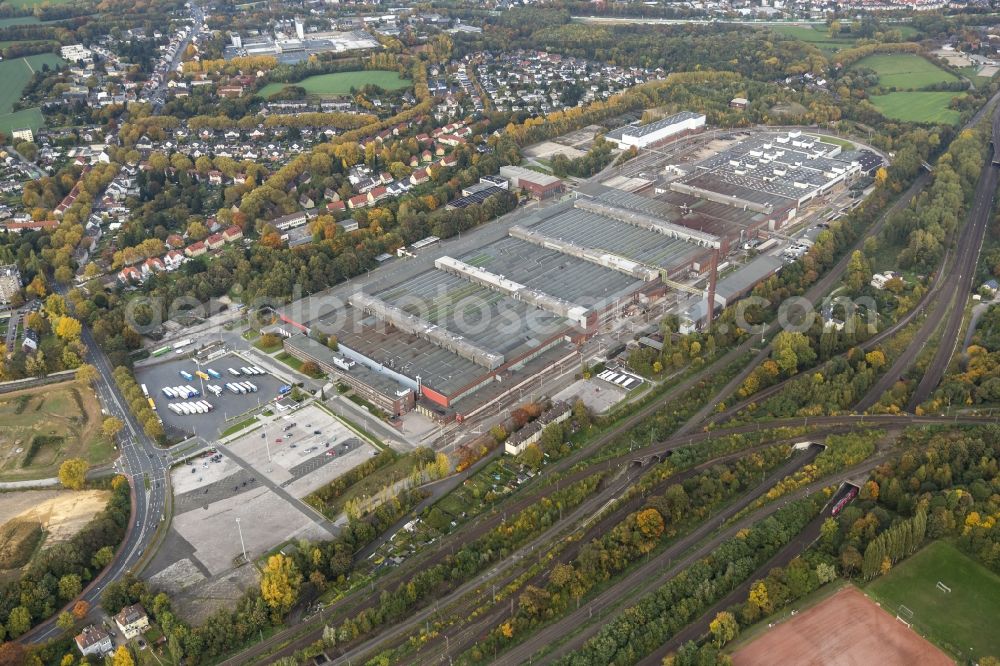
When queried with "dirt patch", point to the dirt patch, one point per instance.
{"points": [[792, 109], [18, 539], [61, 513], [40, 427], [844, 630]]}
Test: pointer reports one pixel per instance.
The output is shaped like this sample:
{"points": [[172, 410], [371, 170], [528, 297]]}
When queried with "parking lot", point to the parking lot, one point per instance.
{"points": [[226, 408], [304, 450]]}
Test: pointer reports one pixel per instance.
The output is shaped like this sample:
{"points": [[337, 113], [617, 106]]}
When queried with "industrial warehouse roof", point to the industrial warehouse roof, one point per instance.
{"points": [[378, 381], [738, 282], [587, 229], [657, 125], [542, 179], [552, 272]]}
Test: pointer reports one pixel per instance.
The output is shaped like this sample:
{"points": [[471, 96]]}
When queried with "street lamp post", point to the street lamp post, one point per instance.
{"points": [[242, 544]]}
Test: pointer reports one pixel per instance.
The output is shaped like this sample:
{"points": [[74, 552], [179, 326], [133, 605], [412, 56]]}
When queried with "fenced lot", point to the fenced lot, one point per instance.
{"points": [[958, 620], [843, 630]]}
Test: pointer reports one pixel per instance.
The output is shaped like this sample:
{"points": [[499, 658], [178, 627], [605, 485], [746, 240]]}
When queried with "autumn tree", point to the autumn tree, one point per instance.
{"points": [[111, 426], [87, 374], [724, 628], [73, 473], [280, 582], [80, 609], [122, 657]]}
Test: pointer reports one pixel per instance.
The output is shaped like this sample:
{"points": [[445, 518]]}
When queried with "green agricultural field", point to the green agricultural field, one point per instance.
{"points": [[15, 74], [918, 107], [342, 82], [41, 427], [956, 621], [905, 71]]}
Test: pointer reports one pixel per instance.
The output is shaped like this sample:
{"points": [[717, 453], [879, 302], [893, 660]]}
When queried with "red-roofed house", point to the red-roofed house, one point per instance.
{"points": [[196, 249], [175, 241], [420, 176], [377, 193], [153, 265], [30, 225], [232, 234], [173, 259], [215, 241], [336, 207], [360, 201], [129, 275]]}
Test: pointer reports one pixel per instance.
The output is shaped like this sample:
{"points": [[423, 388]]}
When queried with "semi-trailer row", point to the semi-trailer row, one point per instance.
{"points": [[186, 408], [241, 387], [183, 392]]}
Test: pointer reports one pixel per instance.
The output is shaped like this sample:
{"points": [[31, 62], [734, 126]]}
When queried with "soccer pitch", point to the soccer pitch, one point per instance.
{"points": [[961, 621]]}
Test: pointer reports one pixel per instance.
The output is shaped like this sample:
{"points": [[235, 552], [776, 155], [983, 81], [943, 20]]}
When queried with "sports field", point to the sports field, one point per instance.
{"points": [[41, 427], [962, 621], [845, 629], [15, 74], [905, 71], [918, 107], [342, 82]]}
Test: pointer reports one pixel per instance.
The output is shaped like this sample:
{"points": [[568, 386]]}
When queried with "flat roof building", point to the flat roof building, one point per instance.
{"points": [[642, 136], [539, 185]]}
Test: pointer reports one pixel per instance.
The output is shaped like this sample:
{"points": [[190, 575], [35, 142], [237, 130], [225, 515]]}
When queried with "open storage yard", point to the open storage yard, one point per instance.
{"points": [[963, 620], [843, 630], [41, 427], [228, 408]]}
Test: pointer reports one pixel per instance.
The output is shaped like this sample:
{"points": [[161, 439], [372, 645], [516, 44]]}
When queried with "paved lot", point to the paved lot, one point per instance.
{"points": [[598, 395], [302, 460], [226, 408]]}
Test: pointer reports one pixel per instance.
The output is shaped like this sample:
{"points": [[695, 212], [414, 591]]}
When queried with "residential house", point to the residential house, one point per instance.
{"points": [[129, 275], [196, 249], [132, 621], [232, 233], [215, 241], [94, 640], [336, 207], [173, 260], [153, 265]]}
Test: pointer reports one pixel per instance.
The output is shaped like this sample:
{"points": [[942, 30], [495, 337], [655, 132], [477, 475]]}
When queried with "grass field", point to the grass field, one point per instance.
{"points": [[957, 621], [41, 427], [342, 82], [23, 4], [818, 36], [905, 71], [918, 107], [18, 20], [15, 74]]}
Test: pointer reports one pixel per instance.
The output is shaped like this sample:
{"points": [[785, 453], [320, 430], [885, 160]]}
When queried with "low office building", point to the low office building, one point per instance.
{"points": [[378, 388], [532, 432], [538, 185]]}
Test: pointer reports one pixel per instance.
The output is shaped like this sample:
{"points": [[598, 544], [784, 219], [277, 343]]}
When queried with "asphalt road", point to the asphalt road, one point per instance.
{"points": [[143, 464]]}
